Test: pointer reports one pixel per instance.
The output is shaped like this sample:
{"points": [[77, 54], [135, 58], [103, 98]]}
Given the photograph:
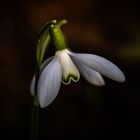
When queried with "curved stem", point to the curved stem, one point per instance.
{"points": [[42, 44]]}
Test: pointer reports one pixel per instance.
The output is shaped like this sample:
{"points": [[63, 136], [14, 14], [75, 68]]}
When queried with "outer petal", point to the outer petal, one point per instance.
{"points": [[100, 65], [45, 63], [32, 86], [49, 83], [89, 74]]}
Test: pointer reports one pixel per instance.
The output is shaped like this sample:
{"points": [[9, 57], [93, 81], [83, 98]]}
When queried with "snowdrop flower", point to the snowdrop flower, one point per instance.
{"points": [[66, 66]]}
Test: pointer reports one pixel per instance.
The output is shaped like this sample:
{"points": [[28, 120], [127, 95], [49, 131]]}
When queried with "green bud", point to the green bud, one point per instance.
{"points": [[57, 37]]}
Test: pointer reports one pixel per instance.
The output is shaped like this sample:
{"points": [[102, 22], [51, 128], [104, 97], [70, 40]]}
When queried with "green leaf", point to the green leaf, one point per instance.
{"points": [[43, 41]]}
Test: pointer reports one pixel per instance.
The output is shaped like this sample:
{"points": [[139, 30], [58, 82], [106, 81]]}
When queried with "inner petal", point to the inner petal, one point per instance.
{"points": [[69, 70]]}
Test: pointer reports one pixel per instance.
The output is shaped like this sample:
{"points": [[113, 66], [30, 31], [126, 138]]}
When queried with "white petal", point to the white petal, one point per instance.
{"points": [[49, 82], [100, 65], [32, 86], [45, 63], [89, 74], [70, 72]]}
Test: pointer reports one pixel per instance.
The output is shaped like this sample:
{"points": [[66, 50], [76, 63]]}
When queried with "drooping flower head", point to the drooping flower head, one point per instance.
{"points": [[66, 66]]}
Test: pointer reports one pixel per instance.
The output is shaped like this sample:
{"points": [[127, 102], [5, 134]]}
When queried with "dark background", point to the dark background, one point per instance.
{"points": [[109, 28]]}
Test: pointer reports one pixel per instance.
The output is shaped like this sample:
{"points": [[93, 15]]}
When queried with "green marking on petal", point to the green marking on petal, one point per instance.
{"points": [[71, 77]]}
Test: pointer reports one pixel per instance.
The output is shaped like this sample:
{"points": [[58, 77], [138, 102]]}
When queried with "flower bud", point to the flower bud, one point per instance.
{"points": [[57, 37]]}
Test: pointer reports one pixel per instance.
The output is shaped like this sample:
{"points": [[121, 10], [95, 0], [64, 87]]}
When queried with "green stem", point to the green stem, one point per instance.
{"points": [[35, 112], [35, 120]]}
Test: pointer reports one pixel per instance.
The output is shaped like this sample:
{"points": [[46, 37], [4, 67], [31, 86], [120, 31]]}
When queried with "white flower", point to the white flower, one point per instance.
{"points": [[66, 66]]}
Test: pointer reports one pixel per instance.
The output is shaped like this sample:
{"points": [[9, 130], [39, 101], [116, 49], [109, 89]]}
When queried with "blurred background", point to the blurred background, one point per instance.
{"points": [[81, 111]]}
